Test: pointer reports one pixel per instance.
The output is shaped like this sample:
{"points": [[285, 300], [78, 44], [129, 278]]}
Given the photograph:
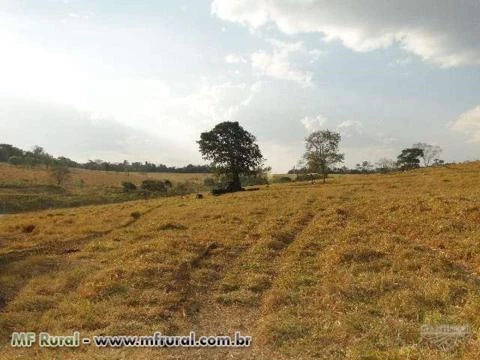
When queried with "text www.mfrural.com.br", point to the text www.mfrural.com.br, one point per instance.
{"points": [[44, 339]]}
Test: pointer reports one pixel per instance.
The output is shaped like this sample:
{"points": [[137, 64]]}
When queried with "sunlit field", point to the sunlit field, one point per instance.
{"points": [[25, 188], [82, 178], [348, 269]]}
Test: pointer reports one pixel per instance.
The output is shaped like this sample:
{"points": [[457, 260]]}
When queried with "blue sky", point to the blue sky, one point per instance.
{"points": [[140, 80]]}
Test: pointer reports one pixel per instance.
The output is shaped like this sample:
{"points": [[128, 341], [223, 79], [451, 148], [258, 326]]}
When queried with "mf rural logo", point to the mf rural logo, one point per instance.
{"points": [[444, 337]]}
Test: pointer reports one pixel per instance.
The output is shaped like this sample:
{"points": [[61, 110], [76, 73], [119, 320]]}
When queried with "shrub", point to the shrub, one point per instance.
{"points": [[27, 229], [308, 177], [254, 179], [209, 182], [136, 215], [154, 185], [223, 189], [128, 186], [183, 188], [168, 184], [15, 160], [172, 226], [59, 172], [283, 179]]}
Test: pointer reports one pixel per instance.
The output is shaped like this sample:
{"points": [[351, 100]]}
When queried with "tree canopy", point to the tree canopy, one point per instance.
{"points": [[322, 151], [38, 156], [232, 151], [410, 158]]}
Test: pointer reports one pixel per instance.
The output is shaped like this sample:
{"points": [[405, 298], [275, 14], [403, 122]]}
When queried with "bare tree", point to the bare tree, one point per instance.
{"points": [[59, 172], [386, 165], [364, 167], [430, 152]]}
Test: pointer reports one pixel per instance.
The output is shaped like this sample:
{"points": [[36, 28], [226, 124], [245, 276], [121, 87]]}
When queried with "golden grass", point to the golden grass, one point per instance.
{"points": [[350, 269], [25, 189], [82, 179]]}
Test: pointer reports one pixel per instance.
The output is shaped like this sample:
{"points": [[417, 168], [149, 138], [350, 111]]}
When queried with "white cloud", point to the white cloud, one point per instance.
{"points": [[277, 64], [469, 124], [235, 59], [286, 47], [441, 32], [256, 87], [315, 54], [138, 106], [81, 16], [401, 62], [146, 101], [349, 128], [313, 123], [66, 131], [279, 67], [281, 157]]}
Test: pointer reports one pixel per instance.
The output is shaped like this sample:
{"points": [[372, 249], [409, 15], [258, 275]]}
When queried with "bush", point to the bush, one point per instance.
{"points": [[154, 186], [59, 172], [128, 186], [209, 182], [223, 189], [27, 229], [168, 184], [283, 179], [253, 180], [15, 160], [183, 188], [136, 215], [308, 177]]}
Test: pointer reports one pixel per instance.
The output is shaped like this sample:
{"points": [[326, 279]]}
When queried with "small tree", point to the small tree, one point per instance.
{"points": [[232, 151], [154, 185], [430, 152], [385, 165], [410, 158], [322, 151], [364, 167], [59, 172], [128, 186], [15, 160], [38, 151]]}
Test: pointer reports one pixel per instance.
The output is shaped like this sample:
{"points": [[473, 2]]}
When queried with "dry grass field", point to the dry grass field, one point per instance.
{"points": [[87, 179], [24, 189], [349, 269]]}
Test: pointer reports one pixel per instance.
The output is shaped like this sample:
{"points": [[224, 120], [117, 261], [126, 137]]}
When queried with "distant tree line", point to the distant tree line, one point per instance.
{"points": [[326, 144], [38, 156]]}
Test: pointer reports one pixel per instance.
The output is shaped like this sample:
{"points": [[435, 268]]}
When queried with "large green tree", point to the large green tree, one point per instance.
{"points": [[232, 151], [322, 151], [410, 158]]}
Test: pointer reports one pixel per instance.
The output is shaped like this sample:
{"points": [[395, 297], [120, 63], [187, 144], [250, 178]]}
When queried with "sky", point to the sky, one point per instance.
{"points": [[140, 80]]}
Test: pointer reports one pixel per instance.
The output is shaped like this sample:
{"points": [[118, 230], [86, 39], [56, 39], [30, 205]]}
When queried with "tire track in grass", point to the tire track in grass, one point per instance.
{"points": [[338, 297], [190, 289], [234, 303]]}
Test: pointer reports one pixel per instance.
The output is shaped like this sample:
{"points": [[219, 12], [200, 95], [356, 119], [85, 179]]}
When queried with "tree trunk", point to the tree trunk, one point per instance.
{"points": [[236, 185]]}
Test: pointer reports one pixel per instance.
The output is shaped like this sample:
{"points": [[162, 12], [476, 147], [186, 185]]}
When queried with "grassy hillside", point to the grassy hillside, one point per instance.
{"points": [[350, 269], [25, 189]]}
